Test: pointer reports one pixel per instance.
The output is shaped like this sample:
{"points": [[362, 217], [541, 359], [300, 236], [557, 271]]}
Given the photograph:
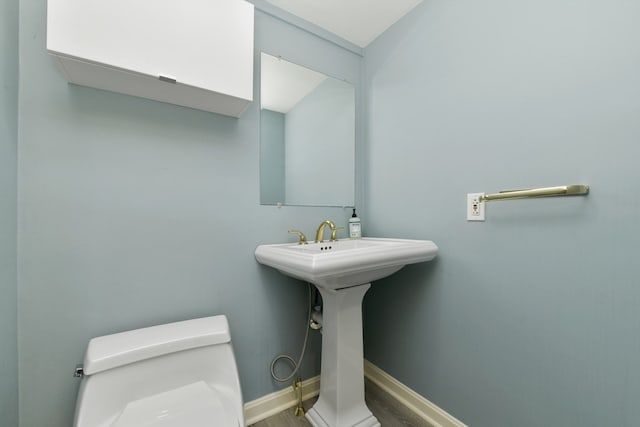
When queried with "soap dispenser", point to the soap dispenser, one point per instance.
{"points": [[355, 231]]}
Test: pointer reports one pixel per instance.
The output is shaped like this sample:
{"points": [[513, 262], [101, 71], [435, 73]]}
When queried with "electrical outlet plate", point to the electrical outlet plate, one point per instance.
{"points": [[475, 208]]}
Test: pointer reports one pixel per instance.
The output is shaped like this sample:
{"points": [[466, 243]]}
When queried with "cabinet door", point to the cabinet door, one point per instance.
{"points": [[207, 44]]}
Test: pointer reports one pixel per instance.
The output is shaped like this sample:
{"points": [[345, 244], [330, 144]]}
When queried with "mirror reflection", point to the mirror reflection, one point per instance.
{"points": [[307, 136]]}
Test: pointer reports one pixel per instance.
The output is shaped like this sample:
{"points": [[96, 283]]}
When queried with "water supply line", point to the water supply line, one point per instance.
{"points": [[299, 410], [296, 366]]}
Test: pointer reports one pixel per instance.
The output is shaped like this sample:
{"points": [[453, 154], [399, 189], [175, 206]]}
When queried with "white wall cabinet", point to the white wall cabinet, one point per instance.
{"points": [[195, 53]]}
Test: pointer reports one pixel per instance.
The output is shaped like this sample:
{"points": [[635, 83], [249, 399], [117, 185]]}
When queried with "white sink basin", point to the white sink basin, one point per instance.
{"points": [[345, 263]]}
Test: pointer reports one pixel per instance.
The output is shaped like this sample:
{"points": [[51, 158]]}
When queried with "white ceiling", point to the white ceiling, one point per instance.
{"points": [[358, 21]]}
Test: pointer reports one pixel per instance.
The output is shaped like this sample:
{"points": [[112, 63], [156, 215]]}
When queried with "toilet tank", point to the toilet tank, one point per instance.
{"points": [[128, 366]]}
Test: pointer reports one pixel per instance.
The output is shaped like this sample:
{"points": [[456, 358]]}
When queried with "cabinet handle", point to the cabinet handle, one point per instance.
{"points": [[167, 79]]}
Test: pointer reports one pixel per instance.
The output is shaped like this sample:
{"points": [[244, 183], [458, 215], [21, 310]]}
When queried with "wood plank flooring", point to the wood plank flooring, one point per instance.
{"points": [[386, 409]]}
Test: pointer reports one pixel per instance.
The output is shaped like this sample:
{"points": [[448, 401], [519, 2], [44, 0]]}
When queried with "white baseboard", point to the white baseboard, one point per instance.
{"points": [[271, 404], [422, 407], [276, 402]]}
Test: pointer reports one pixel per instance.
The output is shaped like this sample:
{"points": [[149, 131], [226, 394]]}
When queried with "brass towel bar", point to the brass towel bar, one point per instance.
{"points": [[565, 190]]}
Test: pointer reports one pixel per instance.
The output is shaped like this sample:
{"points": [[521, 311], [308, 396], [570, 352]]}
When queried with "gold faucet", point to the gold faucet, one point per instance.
{"points": [[302, 239], [320, 232]]}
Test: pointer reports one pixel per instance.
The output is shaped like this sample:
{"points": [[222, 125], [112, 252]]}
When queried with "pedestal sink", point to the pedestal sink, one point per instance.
{"points": [[343, 271]]}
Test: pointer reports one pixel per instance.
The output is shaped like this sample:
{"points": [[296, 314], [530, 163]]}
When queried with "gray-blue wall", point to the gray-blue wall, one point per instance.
{"points": [[272, 157], [319, 146], [530, 318], [134, 213], [8, 248]]}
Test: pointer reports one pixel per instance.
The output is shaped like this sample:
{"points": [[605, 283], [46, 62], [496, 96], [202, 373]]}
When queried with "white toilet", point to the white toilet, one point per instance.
{"points": [[181, 374]]}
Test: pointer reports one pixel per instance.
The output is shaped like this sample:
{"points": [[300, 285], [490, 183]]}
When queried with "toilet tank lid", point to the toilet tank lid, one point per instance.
{"points": [[111, 351]]}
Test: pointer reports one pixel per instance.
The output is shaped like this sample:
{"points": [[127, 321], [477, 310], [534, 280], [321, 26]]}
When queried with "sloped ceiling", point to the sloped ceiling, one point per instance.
{"points": [[358, 21]]}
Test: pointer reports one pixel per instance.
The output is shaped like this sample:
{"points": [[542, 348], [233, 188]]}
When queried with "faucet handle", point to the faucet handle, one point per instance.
{"points": [[302, 239], [334, 233]]}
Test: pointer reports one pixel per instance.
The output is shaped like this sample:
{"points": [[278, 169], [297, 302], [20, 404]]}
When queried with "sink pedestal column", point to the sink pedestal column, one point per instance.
{"points": [[341, 400]]}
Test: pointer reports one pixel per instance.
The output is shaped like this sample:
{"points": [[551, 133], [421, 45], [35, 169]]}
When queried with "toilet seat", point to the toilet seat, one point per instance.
{"points": [[193, 405]]}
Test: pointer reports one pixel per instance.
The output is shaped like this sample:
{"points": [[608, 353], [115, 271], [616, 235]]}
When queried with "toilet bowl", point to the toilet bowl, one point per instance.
{"points": [[174, 375]]}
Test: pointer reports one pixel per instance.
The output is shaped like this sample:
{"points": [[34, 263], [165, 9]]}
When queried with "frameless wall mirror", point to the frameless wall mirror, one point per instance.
{"points": [[307, 136]]}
